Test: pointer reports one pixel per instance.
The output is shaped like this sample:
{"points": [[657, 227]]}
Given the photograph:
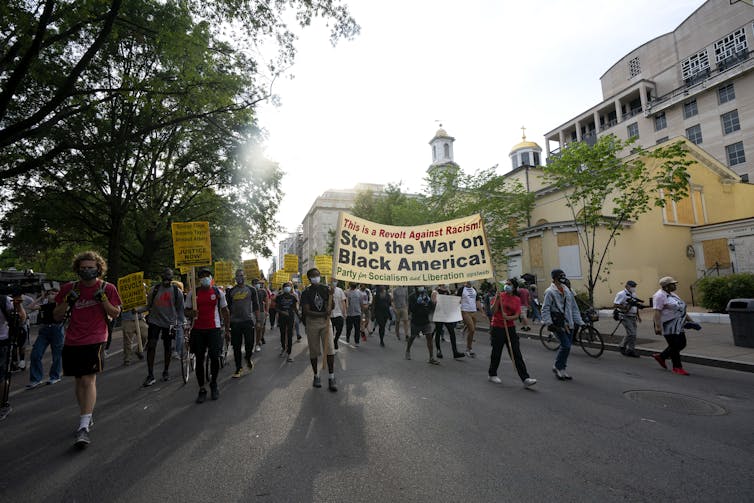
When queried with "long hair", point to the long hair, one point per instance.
{"points": [[90, 255]]}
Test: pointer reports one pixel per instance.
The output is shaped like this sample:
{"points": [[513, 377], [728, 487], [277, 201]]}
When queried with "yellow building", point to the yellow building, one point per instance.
{"points": [[658, 244]]}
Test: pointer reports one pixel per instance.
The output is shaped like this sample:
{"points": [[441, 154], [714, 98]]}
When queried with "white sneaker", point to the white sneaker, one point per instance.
{"points": [[495, 379], [529, 382], [258, 348], [565, 375], [22, 364], [470, 354]]}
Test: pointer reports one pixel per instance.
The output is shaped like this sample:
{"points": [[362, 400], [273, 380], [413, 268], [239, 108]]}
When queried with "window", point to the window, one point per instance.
{"points": [[726, 93], [730, 122], [525, 158], [687, 211], [514, 161], [735, 153], [661, 140], [434, 153], [690, 109], [634, 67], [633, 130], [446, 149], [568, 253], [731, 45], [695, 64], [694, 133], [536, 158], [661, 122]]}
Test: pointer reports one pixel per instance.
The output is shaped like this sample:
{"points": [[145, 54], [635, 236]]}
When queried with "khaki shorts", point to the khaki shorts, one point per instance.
{"points": [[319, 335], [401, 313]]}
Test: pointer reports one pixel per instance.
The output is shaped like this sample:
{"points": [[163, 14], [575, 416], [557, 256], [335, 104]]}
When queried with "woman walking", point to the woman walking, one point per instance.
{"points": [[382, 311], [669, 319]]}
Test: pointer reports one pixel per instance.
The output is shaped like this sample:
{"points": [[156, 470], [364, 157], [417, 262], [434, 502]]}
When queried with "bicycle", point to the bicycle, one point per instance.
{"points": [[187, 357], [588, 337]]}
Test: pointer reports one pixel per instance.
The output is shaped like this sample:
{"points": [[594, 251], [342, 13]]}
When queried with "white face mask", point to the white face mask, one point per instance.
{"points": [[632, 289], [314, 280], [205, 282]]}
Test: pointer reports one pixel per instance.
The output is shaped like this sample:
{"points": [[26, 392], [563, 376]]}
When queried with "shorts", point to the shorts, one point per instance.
{"points": [[319, 335], [401, 313], [427, 330], [83, 360]]}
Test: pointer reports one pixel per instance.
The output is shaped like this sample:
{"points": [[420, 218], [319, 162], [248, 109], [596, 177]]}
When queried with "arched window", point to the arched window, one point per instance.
{"points": [[434, 153], [446, 148]]}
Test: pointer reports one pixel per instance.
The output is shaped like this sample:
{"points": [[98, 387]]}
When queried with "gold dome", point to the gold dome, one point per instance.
{"points": [[525, 144], [441, 133]]}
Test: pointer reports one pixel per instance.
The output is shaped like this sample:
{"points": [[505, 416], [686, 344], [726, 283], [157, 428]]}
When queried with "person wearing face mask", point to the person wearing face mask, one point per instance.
{"points": [[443, 290], [264, 303], [287, 308], [316, 304], [90, 303], [506, 309], [243, 304], [50, 334], [470, 304], [627, 303], [420, 306], [339, 310], [210, 318], [166, 309], [561, 315], [670, 317]]}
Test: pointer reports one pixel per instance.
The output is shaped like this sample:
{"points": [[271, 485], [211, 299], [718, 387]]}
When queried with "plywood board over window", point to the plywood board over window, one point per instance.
{"points": [[535, 252], [716, 251], [568, 238]]}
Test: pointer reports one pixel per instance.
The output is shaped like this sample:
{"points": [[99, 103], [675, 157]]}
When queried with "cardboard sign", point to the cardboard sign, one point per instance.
{"points": [[191, 244], [251, 269], [290, 263], [323, 263], [132, 291], [447, 309], [224, 273]]}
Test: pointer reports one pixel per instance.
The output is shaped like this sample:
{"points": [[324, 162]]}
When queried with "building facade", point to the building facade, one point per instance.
{"points": [[696, 81]]}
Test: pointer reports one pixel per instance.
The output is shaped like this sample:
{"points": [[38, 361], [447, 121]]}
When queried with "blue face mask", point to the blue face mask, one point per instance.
{"points": [[508, 288], [287, 289], [205, 282]]}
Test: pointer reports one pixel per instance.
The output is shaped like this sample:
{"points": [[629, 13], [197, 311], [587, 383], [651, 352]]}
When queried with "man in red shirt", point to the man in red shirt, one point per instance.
{"points": [[505, 310], [92, 303], [211, 316]]}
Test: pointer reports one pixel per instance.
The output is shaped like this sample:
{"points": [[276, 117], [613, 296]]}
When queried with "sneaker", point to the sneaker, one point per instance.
{"points": [[459, 355], [149, 381], [332, 385], [22, 364], [215, 393], [470, 353], [558, 374], [495, 379], [202, 396], [659, 359], [408, 355], [317, 382], [249, 363], [565, 375], [258, 348], [439, 355], [432, 361], [680, 371], [529, 382], [238, 373], [33, 385], [82, 438], [53, 380], [165, 376], [289, 360]]}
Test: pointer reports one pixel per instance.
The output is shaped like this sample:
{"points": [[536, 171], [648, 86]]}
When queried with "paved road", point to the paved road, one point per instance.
{"points": [[396, 431]]}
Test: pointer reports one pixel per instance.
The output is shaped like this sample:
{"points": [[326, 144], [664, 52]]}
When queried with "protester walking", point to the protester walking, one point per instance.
{"points": [[670, 319], [561, 315]]}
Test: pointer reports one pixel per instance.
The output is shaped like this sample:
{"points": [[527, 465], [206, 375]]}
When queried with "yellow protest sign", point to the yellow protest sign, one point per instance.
{"points": [[290, 263], [132, 291], [453, 251], [323, 263], [251, 269], [224, 274], [191, 244]]}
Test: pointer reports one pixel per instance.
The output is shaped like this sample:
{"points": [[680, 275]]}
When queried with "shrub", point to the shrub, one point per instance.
{"points": [[716, 291]]}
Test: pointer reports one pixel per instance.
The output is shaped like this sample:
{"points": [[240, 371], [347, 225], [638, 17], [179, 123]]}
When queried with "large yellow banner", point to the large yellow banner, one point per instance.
{"points": [[132, 292], [191, 244], [444, 252]]}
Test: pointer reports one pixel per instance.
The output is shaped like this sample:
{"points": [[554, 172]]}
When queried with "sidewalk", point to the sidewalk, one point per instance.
{"points": [[712, 345]]}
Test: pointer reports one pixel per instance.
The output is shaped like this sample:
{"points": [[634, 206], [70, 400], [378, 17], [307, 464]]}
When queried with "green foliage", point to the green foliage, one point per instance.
{"points": [[716, 291], [605, 190]]}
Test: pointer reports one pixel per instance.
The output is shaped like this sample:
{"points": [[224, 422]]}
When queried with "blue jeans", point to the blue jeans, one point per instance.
{"points": [[49, 335], [565, 337]]}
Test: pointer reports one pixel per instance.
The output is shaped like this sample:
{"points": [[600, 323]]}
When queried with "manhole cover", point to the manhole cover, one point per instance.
{"points": [[676, 402]]}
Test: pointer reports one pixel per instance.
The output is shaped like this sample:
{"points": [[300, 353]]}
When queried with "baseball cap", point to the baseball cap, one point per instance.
{"points": [[556, 273], [631, 283], [666, 280], [203, 272]]}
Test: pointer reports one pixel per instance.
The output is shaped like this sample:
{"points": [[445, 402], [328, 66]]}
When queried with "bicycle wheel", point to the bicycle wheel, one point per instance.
{"points": [[224, 354], [548, 339], [186, 360], [591, 341]]}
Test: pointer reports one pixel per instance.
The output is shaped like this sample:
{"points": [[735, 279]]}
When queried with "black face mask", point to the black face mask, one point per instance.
{"points": [[563, 280], [88, 273]]}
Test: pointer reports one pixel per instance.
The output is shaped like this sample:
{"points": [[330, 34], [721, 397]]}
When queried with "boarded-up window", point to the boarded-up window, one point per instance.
{"points": [[568, 238], [684, 212], [535, 252], [716, 252]]}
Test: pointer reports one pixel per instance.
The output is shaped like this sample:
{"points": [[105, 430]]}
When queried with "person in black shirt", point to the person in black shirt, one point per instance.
{"points": [[420, 306], [316, 304], [50, 334], [287, 308]]}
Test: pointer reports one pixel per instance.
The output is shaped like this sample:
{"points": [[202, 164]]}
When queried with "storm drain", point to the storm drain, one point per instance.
{"points": [[676, 402]]}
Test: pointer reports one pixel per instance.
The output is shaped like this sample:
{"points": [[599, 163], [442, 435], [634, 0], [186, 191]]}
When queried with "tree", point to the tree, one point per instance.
{"points": [[48, 60], [605, 190]]}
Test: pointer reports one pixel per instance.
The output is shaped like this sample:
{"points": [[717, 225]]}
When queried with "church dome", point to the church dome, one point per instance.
{"points": [[441, 133], [525, 144]]}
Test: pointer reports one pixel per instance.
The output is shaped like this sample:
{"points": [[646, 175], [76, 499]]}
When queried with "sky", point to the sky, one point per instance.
{"points": [[366, 109]]}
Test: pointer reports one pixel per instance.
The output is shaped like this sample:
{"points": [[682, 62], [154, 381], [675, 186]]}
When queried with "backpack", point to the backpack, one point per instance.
{"points": [[153, 295]]}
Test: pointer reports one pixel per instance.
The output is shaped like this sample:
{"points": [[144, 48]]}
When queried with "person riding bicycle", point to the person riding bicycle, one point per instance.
{"points": [[561, 315], [628, 306], [210, 317]]}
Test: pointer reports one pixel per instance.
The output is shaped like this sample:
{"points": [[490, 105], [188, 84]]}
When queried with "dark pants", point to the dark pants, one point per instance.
{"points": [[382, 320], [355, 323], [285, 324], [676, 343], [273, 313], [242, 331], [201, 340], [153, 333], [497, 334], [451, 332], [337, 325]]}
